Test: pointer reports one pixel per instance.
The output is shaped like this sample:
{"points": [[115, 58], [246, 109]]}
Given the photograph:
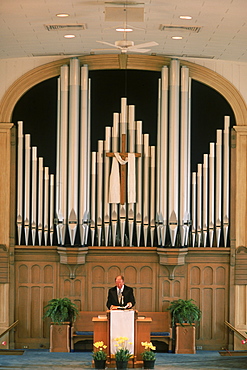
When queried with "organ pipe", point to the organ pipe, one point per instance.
{"points": [[115, 148], [46, 204], [93, 192], [73, 169], [131, 141], [146, 158], [27, 187], [199, 204], [152, 194], [218, 195], [84, 149], [61, 207], [226, 179], [211, 202], [163, 157], [193, 209], [205, 200], [158, 189], [20, 180], [173, 149], [34, 193], [51, 208], [164, 187], [107, 148], [184, 160], [139, 148], [99, 189], [40, 201], [123, 131]]}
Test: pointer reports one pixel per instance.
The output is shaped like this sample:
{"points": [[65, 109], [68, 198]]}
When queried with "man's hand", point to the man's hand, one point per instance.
{"points": [[113, 307], [129, 305]]}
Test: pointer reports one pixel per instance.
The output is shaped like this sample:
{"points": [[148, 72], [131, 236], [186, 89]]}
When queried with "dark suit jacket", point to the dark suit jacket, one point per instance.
{"points": [[113, 298]]}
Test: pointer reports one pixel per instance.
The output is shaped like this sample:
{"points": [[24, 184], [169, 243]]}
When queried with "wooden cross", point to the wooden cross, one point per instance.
{"points": [[123, 155]]}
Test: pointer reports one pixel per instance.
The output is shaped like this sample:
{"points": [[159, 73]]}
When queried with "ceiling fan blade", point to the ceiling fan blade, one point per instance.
{"points": [[139, 50], [107, 43], [144, 45], [103, 49]]}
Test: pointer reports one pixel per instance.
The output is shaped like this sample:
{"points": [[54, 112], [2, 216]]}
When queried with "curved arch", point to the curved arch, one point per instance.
{"points": [[122, 61]]}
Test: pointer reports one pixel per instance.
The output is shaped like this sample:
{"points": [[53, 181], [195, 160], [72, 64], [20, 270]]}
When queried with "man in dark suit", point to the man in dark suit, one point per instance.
{"points": [[120, 295]]}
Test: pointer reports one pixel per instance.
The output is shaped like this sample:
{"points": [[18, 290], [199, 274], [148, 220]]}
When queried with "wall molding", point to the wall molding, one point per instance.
{"points": [[122, 61]]}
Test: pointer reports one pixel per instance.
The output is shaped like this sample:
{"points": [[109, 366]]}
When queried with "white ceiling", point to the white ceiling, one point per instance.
{"points": [[223, 33]]}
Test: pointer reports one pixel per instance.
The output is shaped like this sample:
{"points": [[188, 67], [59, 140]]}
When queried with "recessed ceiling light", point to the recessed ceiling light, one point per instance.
{"points": [[121, 29], [185, 17], [177, 37], [69, 36], [62, 15]]}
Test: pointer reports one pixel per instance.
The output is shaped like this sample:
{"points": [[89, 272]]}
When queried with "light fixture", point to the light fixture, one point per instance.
{"points": [[122, 29], [185, 17], [62, 15], [69, 36], [177, 37]]}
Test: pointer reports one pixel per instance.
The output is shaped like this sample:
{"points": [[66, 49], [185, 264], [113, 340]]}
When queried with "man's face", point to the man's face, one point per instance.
{"points": [[119, 282]]}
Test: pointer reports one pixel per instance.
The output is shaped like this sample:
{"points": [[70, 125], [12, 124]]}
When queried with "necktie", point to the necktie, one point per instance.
{"points": [[119, 296]]}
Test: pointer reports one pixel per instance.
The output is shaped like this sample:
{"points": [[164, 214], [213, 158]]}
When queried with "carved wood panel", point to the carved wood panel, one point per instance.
{"points": [[40, 277], [36, 285], [208, 285]]}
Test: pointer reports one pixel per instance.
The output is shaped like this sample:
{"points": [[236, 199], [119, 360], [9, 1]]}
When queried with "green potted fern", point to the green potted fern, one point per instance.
{"points": [[62, 312], [185, 313]]}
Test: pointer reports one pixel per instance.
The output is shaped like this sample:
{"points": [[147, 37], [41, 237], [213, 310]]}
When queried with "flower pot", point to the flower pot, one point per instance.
{"points": [[148, 364], [122, 365], [99, 364]]}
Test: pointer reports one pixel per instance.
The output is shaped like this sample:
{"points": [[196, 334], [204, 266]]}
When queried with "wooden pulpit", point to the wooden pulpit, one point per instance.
{"points": [[106, 330]]}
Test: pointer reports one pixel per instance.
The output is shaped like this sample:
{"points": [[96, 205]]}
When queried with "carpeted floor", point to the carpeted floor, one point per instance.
{"points": [[43, 359]]}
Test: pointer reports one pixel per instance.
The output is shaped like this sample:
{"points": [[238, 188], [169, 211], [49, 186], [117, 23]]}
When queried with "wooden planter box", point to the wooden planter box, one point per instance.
{"points": [[185, 339], [60, 338]]}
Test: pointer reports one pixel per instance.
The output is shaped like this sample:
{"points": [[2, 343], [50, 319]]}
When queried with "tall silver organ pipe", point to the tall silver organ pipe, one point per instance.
{"points": [[27, 186], [205, 200], [19, 206], [211, 223], [159, 203], [84, 163], [173, 150], [162, 147], [184, 156], [62, 153], [73, 167], [34, 193], [226, 179], [40, 199], [107, 148]]}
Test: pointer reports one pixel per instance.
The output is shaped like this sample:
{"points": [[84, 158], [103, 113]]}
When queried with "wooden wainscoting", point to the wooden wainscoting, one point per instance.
{"points": [[40, 276]]}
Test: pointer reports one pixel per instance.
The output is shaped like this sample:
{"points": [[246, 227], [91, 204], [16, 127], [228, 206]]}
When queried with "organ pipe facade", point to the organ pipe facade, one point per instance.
{"points": [[161, 202]]}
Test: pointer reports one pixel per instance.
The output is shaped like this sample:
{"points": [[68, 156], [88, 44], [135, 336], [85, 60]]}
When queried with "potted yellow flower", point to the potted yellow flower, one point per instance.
{"points": [[148, 355], [122, 354], [99, 355]]}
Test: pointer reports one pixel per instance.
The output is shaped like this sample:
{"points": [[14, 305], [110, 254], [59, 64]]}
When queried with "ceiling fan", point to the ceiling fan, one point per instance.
{"points": [[125, 45]]}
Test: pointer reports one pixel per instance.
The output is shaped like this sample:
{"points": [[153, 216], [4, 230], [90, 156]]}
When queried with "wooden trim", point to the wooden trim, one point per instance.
{"points": [[115, 61]]}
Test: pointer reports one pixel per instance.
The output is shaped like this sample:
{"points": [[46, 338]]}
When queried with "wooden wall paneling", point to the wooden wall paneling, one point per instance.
{"points": [[146, 297], [208, 285], [138, 265], [74, 289], [171, 289], [36, 284]]}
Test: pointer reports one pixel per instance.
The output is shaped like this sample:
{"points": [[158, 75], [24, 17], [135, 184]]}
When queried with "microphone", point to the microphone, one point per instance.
{"points": [[122, 299]]}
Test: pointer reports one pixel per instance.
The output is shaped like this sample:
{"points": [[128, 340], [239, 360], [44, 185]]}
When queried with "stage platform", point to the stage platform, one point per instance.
{"points": [[43, 359]]}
